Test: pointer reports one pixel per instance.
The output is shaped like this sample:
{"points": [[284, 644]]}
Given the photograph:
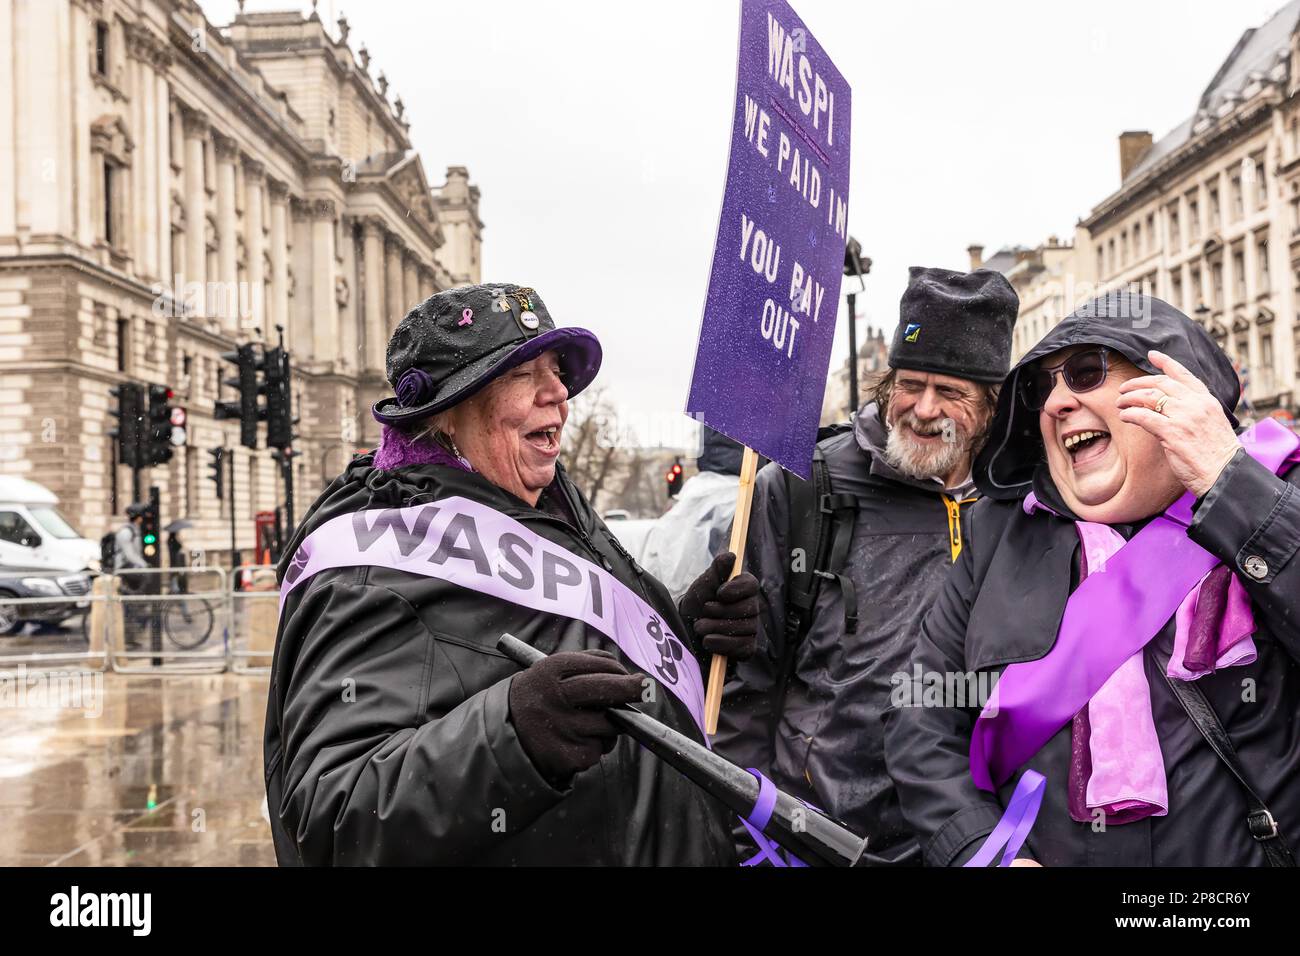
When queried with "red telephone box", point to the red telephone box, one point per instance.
{"points": [[264, 534]]}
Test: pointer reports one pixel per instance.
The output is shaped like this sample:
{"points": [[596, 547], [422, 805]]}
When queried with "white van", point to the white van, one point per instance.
{"points": [[34, 536]]}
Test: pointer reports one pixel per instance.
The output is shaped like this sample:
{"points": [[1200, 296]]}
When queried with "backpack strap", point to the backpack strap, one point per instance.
{"points": [[820, 532], [1259, 819]]}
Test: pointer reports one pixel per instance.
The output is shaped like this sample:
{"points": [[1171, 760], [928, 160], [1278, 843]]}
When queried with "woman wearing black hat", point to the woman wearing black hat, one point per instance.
{"points": [[396, 732], [1131, 580]]}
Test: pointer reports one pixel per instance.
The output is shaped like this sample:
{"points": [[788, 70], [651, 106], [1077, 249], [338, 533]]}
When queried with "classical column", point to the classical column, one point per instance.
{"points": [[278, 307], [162, 110], [426, 282], [396, 307], [134, 220], [325, 312], [374, 333], [300, 272], [196, 205], [227, 154], [255, 244], [346, 284], [411, 286]]}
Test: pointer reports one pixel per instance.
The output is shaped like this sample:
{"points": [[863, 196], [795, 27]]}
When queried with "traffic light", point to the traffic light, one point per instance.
{"points": [[129, 414], [149, 533], [165, 427], [246, 408], [218, 466], [279, 399], [674, 477]]}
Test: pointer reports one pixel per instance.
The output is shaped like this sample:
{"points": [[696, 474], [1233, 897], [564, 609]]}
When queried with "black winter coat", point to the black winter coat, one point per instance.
{"points": [[424, 766]]}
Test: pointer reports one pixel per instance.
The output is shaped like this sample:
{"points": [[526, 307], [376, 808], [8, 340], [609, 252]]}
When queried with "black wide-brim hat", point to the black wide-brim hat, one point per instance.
{"points": [[454, 343]]}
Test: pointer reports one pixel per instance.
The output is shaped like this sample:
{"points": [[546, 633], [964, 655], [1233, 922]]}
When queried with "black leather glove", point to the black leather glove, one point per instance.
{"points": [[558, 709], [723, 614]]}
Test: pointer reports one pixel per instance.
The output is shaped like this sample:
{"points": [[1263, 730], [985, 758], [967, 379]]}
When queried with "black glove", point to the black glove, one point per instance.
{"points": [[558, 709], [724, 616]]}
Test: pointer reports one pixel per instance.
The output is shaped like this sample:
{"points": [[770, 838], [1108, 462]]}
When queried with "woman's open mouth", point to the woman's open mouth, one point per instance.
{"points": [[545, 440], [1086, 446]]}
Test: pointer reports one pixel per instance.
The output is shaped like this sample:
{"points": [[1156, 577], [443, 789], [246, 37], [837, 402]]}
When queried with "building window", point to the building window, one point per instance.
{"points": [[1110, 256], [1152, 238], [1175, 230], [1196, 294], [1216, 212], [123, 344], [1137, 239], [110, 208], [1193, 217], [1261, 263], [1237, 208], [1123, 248], [1101, 260], [1266, 351], [101, 48], [1216, 284], [1261, 185], [1239, 274], [1176, 291]]}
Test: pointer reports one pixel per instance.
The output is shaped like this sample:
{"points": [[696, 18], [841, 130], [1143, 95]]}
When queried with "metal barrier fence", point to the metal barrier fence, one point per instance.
{"points": [[173, 620], [146, 621], [254, 613]]}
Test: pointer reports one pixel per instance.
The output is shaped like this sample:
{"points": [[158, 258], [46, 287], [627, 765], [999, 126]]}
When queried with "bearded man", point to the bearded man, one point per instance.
{"points": [[850, 562]]}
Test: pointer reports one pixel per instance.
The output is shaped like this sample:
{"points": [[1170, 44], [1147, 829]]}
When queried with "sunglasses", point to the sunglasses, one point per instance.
{"points": [[1082, 371]]}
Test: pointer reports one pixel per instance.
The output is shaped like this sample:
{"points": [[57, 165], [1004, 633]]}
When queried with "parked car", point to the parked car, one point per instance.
{"points": [[41, 584], [35, 536]]}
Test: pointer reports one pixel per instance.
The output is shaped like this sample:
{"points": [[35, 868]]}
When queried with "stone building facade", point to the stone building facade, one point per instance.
{"points": [[1207, 218], [170, 189]]}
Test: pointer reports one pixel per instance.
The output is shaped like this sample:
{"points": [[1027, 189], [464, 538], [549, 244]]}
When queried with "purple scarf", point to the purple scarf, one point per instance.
{"points": [[398, 450], [1116, 766]]}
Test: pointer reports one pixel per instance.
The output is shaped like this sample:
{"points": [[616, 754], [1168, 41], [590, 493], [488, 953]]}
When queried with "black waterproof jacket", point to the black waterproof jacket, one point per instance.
{"points": [[420, 763], [1004, 602], [809, 715]]}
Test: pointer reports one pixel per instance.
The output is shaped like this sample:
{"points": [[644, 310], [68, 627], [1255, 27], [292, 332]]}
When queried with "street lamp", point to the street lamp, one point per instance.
{"points": [[855, 264]]}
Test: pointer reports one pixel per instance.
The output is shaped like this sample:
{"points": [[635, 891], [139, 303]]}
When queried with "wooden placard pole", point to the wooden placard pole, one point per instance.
{"points": [[739, 530]]}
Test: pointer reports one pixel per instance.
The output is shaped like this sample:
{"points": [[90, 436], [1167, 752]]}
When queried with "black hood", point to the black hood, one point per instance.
{"points": [[1130, 324]]}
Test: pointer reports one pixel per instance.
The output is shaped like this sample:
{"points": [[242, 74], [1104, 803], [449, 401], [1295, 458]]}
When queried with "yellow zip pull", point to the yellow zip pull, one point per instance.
{"points": [[954, 525]]}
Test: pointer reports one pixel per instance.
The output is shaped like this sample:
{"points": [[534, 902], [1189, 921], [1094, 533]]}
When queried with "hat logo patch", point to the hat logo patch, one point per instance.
{"points": [[912, 333], [499, 301]]}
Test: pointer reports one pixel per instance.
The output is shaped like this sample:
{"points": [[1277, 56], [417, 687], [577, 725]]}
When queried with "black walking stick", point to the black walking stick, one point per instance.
{"points": [[808, 833]]}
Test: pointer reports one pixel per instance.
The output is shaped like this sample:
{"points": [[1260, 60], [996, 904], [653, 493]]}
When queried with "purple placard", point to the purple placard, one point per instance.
{"points": [[769, 317]]}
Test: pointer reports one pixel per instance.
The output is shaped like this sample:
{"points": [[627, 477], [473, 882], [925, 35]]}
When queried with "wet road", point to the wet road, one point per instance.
{"points": [[133, 771]]}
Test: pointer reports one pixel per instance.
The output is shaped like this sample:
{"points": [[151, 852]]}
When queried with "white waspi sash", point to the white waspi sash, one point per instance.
{"points": [[476, 547]]}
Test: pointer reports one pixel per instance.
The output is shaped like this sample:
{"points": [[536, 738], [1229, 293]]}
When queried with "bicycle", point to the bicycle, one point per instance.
{"points": [[187, 622]]}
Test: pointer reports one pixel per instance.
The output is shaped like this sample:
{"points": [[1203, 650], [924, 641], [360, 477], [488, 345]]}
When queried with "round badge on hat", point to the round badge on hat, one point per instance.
{"points": [[529, 319]]}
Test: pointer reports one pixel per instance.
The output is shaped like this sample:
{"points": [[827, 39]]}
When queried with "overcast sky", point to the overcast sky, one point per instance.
{"points": [[598, 133]]}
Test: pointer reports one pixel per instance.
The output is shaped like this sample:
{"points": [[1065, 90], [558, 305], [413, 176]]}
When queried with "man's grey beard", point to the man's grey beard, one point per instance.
{"points": [[917, 461]]}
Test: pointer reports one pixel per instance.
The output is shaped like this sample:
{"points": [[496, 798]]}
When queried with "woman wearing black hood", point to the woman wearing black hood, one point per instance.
{"points": [[1158, 698]]}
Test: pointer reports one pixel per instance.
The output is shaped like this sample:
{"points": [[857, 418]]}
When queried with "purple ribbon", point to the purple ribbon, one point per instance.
{"points": [[1108, 619], [1018, 819], [758, 819]]}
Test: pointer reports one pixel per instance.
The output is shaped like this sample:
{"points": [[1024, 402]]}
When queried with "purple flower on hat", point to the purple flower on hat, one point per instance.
{"points": [[415, 388]]}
